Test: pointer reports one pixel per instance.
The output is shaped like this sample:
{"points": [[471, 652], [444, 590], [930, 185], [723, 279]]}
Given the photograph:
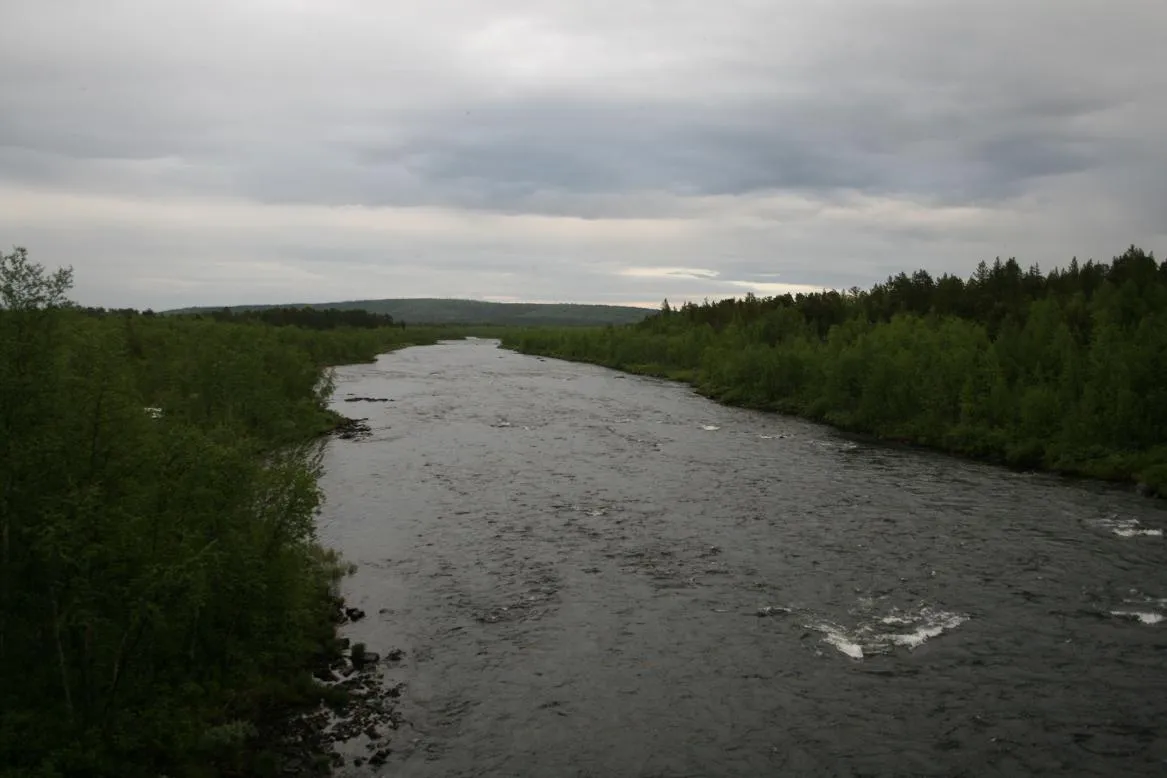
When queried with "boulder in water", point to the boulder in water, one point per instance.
{"points": [[352, 429]]}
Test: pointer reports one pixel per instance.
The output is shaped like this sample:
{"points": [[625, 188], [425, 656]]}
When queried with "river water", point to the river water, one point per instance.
{"points": [[595, 574]]}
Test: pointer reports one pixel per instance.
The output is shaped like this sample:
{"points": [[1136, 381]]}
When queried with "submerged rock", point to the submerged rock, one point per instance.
{"points": [[352, 429], [362, 658]]}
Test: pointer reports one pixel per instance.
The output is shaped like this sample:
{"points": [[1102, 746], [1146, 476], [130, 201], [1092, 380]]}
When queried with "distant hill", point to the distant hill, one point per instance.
{"points": [[439, 311]]}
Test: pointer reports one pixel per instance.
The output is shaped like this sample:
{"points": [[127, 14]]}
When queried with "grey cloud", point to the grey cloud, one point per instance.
{"points": [[503, 156], [1039, 113], [918, 129]]}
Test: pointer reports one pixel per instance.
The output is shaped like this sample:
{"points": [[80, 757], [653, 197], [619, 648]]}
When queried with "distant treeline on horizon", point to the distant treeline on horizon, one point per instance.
{"points": [[449, 311]]}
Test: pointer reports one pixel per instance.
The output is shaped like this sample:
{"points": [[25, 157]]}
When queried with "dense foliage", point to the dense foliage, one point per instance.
{"points": [[160, 585], [474, 312], [313, 318], [1065, 370], [309, 317]]}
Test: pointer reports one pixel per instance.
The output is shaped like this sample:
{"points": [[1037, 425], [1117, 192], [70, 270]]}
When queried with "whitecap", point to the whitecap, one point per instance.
{"points": [[838, 638], [1130, 533], [870, 638], [1143, 617], [1129, 528], [935, 623]]}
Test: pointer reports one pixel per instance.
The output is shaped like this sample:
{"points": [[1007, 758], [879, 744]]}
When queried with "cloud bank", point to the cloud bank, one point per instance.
{"points": [[221, 152]]}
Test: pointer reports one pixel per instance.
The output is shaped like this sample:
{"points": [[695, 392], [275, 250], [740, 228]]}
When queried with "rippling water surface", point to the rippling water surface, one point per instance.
{"points": [[595, 574]]}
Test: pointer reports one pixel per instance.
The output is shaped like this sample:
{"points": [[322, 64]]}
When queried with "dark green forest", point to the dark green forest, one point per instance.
{"points": [[305, 316], [162, 594], [1065, 370], [473, 312]]}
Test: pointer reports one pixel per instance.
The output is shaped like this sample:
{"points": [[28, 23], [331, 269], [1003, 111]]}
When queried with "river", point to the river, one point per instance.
{"points": [[596, 574]]}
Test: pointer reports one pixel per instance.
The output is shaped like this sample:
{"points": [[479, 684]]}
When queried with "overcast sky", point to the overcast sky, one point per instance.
{"points": [[233, 151]]}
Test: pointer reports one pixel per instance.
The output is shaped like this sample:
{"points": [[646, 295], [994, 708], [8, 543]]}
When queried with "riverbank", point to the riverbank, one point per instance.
{"points": [[1141, 470], [344, 696], [1059, 371]]}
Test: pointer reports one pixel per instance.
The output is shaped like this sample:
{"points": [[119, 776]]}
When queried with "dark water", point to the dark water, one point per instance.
{"points": [[574, 561]]}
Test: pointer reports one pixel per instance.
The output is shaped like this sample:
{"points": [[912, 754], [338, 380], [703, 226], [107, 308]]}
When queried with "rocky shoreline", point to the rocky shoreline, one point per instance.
{"points": [[357, 701], [351, 429], [354, 700]]}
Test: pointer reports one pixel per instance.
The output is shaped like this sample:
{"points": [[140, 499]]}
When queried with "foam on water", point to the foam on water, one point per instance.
{"points": [[845, 446], [1130, 533], [1143, 617], [869, 638], [934, 624], [1128, 528], [838, 637]]}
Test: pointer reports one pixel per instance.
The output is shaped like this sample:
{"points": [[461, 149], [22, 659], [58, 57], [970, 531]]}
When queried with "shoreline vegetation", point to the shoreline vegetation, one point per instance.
{"points": [[165, 608], [1063, 371]]}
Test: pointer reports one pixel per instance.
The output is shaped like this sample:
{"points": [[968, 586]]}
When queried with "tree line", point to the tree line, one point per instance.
{"points": [[161, 587], [308, 317], [1065, 370]]}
